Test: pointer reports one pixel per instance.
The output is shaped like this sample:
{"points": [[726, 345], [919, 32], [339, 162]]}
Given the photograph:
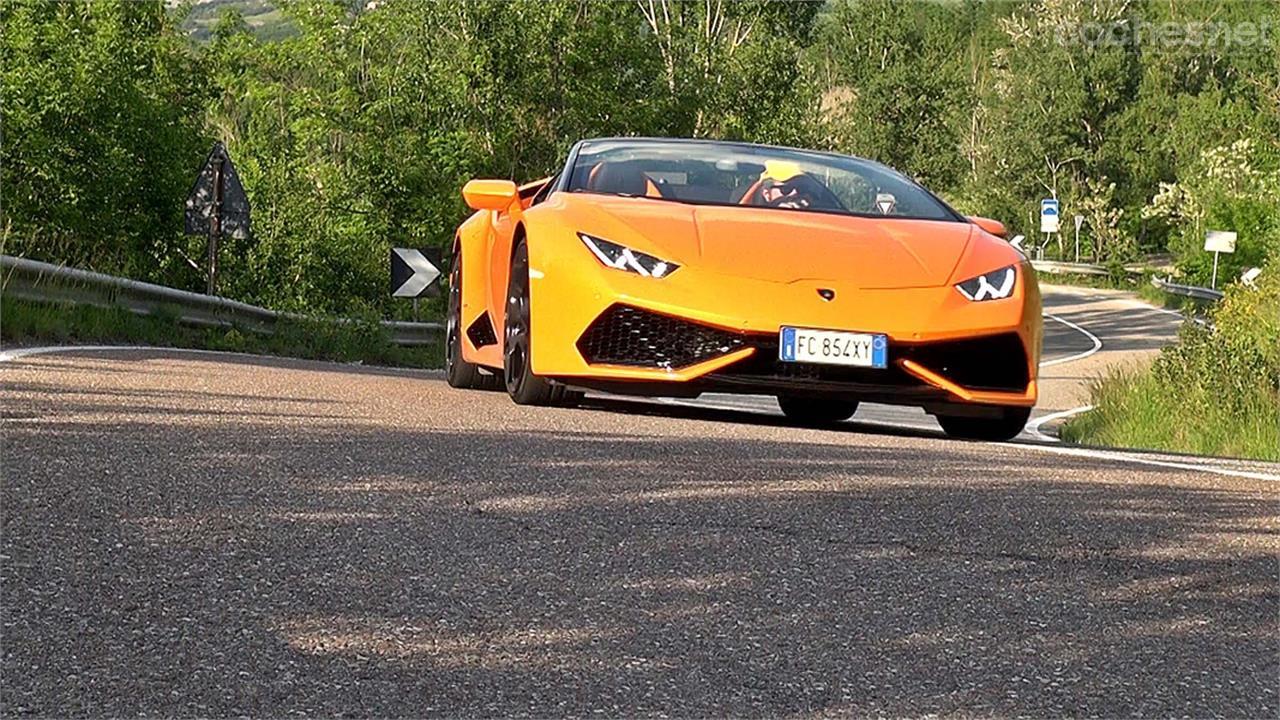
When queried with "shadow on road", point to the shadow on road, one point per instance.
{"points": [[319, 566], [1135, 329]]}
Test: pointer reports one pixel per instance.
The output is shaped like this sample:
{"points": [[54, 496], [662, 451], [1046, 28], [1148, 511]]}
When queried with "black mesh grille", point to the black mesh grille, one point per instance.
{"points": [[625, 335], [481, 332]]}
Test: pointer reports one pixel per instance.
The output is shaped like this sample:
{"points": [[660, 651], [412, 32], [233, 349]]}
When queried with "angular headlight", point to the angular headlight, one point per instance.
{"points": [[995, 285], [623, 258]]}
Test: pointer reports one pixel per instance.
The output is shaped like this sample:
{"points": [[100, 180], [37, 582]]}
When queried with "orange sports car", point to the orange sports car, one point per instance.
{"points": [[675, 267]]}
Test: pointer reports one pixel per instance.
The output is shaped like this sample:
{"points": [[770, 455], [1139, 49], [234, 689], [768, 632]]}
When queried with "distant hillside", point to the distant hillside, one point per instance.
{"points": [[262, 16]]}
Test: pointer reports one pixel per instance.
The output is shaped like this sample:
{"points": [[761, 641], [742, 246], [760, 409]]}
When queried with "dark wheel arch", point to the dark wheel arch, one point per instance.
{"points": [[524, 387], [458, 372]]}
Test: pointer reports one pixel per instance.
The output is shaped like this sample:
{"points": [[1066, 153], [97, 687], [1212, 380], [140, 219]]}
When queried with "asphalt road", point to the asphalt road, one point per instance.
{"points": [[195, 534]]}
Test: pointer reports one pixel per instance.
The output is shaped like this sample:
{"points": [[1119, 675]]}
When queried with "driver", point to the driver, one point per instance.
{"points": [[784, 185]]}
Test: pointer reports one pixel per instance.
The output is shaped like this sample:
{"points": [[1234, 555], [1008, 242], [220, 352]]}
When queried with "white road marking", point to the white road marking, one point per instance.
{"points": [[1048, 442], [1105, 455], [19, 353], [1097, 343], [1033, 427], [1137, 305], [1096, 454], [1116, 456]]}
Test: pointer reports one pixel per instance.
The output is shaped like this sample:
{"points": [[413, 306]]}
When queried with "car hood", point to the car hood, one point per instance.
{"points": [[781, 245]]}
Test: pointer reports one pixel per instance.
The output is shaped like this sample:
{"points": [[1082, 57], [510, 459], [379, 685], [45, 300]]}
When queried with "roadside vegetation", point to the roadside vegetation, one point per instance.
{"points": [[354, 129], [24, 323], [1216, 392]]}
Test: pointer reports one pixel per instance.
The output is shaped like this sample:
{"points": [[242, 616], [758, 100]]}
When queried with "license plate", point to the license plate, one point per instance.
{"points": [[833, 347]]}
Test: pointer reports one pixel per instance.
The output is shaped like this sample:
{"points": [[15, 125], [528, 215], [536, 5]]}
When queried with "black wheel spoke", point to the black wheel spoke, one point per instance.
{"points": [[516, 345]]}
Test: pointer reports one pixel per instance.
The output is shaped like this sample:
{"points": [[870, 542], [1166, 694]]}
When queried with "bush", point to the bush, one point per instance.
{"points": [[1216, 392]]}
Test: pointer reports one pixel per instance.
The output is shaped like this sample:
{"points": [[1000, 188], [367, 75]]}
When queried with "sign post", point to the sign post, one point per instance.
{"points": [[216, 206], [1048, 220], [413, 273], [1218, 241], [1079, 221]]}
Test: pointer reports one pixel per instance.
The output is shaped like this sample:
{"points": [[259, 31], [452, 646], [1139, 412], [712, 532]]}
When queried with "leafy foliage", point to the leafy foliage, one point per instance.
{"points": [[1215, 392], [354, 129], [103, 114]]}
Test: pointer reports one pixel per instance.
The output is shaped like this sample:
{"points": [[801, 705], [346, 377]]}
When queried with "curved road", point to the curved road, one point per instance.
{"points": [[201, 534]]}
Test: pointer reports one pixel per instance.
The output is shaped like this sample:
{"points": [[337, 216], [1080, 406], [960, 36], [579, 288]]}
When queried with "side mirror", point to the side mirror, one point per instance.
{"points": [[995, 227], [489, 194]]}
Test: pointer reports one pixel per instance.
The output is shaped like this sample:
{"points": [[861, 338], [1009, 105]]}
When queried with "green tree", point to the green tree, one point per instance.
{"points": [[103, 134]]}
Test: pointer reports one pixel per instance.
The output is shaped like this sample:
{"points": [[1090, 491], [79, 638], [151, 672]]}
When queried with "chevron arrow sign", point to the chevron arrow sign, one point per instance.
{"points": [[411, 272]]}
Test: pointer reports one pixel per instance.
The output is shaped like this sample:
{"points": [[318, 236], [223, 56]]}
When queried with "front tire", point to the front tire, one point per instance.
{"points": [[816, 411], [523, 386], [1005, 427]]}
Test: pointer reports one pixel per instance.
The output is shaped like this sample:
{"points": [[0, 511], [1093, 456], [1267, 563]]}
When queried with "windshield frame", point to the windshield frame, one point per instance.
{"points": [[564, 180]]}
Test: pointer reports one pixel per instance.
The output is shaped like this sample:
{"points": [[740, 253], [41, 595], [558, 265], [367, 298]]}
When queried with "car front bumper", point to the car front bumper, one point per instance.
{"points": [[943, 349]]}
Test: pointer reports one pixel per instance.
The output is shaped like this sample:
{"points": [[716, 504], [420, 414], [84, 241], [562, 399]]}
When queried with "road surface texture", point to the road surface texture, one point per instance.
{"points": [[213, 535]]}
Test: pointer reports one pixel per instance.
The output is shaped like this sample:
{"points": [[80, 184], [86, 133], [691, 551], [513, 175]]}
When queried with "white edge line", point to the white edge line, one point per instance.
{"points": [[1117, 456], [1033, 427], [1097, 343], [1140, 305], [1051, 445], [18, 353]]}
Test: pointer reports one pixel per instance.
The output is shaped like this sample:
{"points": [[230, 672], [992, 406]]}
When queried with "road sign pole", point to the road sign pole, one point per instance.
{"points": [[216, 205], [1213, 283], [215, 227]]}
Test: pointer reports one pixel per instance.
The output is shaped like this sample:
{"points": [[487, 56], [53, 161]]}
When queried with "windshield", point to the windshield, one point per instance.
{"points": [[714, 173]]}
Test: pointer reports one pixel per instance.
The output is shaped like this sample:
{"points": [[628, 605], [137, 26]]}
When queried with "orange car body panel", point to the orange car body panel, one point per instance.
{"points": [[748, 270]]}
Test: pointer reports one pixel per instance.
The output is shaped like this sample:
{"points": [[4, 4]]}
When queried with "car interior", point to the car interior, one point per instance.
{"points": [[732, 181]]}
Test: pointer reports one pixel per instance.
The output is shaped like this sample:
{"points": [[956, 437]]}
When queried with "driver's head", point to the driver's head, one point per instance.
{"points": [[778, 180]]}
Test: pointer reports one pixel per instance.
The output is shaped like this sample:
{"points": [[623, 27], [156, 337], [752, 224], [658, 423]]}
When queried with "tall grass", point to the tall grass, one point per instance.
{"points": [[1217, 392]]}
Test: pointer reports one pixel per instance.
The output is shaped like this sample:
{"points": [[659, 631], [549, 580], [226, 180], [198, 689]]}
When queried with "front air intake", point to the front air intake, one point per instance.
{"points": [[481, 332], [624, 335], [994, 362]]}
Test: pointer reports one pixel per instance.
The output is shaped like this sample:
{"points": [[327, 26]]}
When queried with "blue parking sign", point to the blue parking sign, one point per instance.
{"points": [[1049, 215]]}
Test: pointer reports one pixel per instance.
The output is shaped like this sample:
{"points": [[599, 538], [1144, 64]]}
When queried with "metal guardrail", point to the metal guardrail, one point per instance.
{"points": [[1201, 293], [44, 282], [1055, 267], [1067, 268]]}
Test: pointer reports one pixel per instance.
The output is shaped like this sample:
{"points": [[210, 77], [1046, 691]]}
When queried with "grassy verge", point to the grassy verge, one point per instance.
{"points": [[1217, 392], [29, 323], [1107, 282]]}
